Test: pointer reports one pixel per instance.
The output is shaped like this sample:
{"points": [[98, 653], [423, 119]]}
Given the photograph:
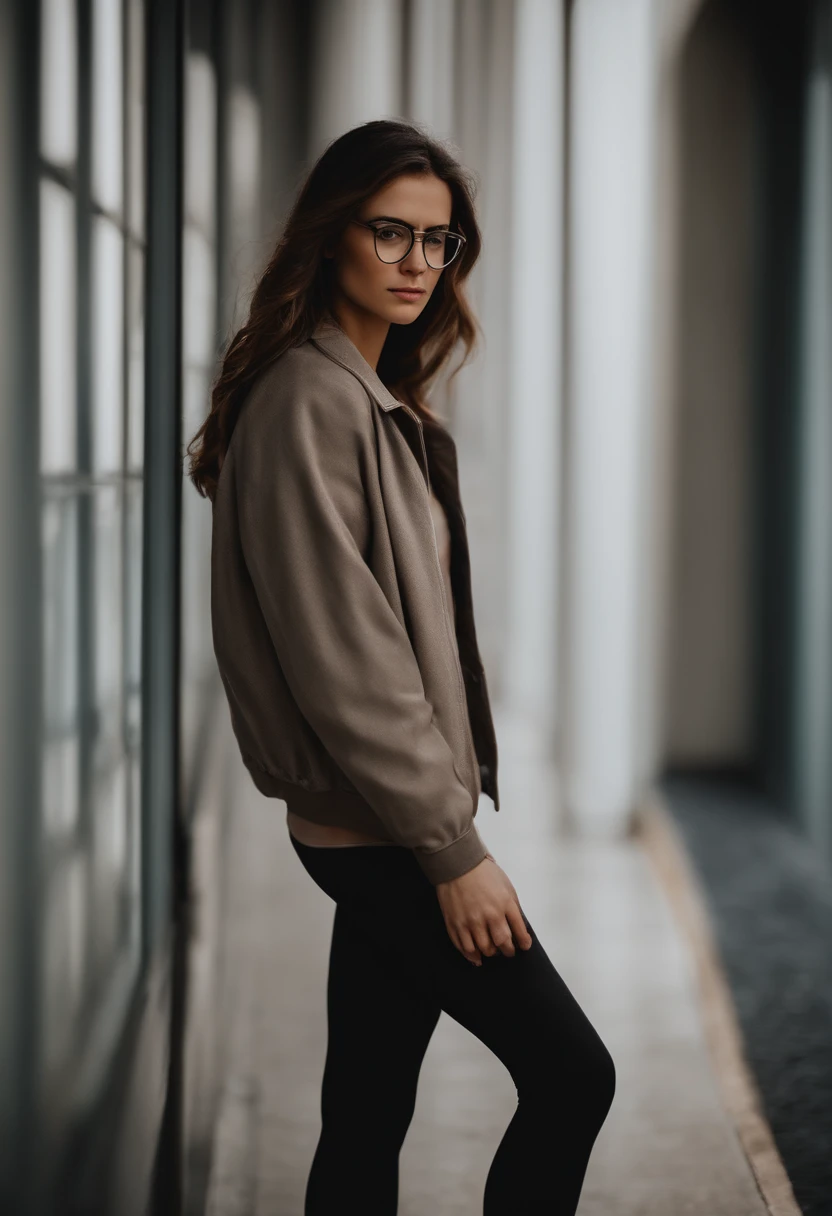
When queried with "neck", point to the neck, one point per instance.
{"points": [[367, 331]]}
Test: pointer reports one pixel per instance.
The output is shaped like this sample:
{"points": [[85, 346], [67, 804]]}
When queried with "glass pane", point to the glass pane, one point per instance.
{"points": [[135, 117], [60, 667], [244, 157], [110, 857], [196, 645], [243, 222], [57, 329], [134, 505], [59, 81], [135, 359], [109, 768], [107, 610], [64, 959], [107, 347], [200, 143], [134, 872], [92, 923], [107, 67]]}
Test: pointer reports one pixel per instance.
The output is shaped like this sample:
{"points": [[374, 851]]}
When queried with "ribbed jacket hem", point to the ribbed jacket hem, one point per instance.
{"points": [[332, 808]]}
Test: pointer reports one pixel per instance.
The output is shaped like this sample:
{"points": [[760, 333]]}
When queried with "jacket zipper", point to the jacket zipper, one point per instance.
{"points": [[461, 695]]}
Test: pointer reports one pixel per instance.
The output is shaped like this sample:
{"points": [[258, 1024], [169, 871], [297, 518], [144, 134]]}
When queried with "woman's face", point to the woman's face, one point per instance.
{"points": [[367, 285]]}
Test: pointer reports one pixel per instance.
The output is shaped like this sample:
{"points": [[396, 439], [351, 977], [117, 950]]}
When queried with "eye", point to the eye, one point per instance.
{"points": [[436, 238], [389, 234]]}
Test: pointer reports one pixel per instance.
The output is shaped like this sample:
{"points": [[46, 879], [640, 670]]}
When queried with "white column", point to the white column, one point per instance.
{"points": [[533, 407], [433, 65], [477, 400], [610, 315], [356, 68]]}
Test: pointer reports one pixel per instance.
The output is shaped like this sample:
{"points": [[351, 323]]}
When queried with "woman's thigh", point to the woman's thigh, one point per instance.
{"points": [[379, 1024], [519, 1006]]}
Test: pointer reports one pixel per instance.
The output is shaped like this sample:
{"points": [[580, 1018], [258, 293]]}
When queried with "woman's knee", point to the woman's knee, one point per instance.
{"points": [[602, 1069], [577, 1076], [595, 1073]]}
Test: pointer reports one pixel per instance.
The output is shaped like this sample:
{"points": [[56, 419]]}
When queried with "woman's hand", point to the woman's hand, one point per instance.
{"points": [[482, 912]]}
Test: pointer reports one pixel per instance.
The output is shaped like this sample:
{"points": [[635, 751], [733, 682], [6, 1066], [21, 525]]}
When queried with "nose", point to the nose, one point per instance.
{"points": [[416, 257]]}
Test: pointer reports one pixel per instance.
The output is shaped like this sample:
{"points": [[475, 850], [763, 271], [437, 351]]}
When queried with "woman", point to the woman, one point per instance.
{"points": [[344, 632]]}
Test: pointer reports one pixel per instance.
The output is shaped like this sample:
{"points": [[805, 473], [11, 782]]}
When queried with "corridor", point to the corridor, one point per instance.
{"points": [[643, 440], [668, 1145]]}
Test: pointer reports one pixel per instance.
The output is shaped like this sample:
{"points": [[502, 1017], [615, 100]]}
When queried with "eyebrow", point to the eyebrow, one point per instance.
{"points": [[398, 220]]}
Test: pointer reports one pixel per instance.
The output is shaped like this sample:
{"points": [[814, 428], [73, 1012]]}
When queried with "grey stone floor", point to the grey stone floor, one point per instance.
{"points": [[667, 1147]]}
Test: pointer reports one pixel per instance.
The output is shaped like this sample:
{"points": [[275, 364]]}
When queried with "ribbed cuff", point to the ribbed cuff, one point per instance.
{"points": [[456, 858]]}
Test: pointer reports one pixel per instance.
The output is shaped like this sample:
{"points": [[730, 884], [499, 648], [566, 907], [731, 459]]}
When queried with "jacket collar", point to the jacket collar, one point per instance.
{"points": [[439, 443], [336, 343]]}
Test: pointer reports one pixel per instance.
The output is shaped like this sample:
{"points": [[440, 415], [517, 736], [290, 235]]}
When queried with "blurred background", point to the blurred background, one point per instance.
{"points": [[645, 441]]}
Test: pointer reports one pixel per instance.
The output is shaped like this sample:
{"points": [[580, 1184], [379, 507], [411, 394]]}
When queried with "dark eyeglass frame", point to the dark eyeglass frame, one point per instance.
{"points": [[415, 233]]}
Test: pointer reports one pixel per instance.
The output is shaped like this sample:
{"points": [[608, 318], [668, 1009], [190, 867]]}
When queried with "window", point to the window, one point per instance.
{"points": [[91, 426]]}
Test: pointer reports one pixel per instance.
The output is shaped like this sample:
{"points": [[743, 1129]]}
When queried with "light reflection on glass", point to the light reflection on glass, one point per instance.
{"points": [[135, 117], [60, 789], [107, 351], [135, 359], [195, 581], [132, 699], [200, 142], [109, 860], [199, 303], [134, 504], [59, 81], [107, 69], [57, 329], [107, 615], [64, 958], [244, 159]]}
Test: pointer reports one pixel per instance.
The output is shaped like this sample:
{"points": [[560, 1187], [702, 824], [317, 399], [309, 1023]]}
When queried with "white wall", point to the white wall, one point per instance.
{"points": [[814, 682], [708, 703]]}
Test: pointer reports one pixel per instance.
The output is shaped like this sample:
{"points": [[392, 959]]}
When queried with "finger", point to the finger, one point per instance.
{"points": [[515, 918], [501, 935], [454, 936], [468, 948], [482, 938], [470, 951]]}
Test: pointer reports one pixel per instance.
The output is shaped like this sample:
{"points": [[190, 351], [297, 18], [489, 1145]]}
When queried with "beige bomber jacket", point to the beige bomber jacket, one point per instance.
{"points": [[347, 695]]}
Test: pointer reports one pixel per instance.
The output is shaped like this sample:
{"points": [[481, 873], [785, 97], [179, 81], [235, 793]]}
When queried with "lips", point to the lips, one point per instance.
{"points": [[407, 293]]}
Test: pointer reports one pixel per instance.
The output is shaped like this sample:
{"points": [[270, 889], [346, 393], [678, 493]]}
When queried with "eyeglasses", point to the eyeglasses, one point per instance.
{"points": [[394, 242]]}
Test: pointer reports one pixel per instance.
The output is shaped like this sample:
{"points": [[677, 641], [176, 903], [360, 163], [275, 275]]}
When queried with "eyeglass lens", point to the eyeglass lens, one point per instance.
{"points": [[393, 243]]}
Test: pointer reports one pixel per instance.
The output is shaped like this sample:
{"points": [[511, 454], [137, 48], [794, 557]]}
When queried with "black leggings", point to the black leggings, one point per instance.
{"points": [[392, 970]]}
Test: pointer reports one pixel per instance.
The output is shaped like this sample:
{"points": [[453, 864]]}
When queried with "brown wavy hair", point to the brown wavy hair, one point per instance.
{"points": [[294, 293]]}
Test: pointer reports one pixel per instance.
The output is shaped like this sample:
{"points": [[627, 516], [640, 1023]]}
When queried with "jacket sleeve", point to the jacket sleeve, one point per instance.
{"points": [[346, 656]]}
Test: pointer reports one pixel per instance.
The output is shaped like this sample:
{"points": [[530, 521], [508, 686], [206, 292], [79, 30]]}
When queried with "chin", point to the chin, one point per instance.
{"points": [[403, 314]]}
